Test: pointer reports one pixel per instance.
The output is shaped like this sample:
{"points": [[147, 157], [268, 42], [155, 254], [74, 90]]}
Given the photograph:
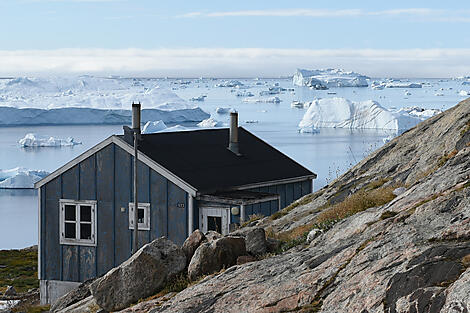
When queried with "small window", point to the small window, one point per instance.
{"points": [[78, 222], [143, 215]]}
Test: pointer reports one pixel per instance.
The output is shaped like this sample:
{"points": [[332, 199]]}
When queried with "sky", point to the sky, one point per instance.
{"points": [[234, 38]]}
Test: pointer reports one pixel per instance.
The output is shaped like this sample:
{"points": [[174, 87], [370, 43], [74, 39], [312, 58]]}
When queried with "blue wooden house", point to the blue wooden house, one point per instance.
{"points": [[187, 180]]}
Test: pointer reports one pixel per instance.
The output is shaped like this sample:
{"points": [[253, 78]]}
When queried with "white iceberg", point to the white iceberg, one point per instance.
{"points": [[20, 178], [89, 100], [230, 83], [221, 110], [209, 123], [153, 127], [244, 94], [419, 112], [200, 98], [395, 84], [34, 140], [343, 113], [464, 93], [329, 78], [263, 100]]}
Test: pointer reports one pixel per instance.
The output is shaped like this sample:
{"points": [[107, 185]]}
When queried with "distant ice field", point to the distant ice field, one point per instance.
{"points": [[328, 153]]}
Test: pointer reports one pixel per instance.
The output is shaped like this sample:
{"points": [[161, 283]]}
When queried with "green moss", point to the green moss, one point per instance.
{"points": [[19, 269]]}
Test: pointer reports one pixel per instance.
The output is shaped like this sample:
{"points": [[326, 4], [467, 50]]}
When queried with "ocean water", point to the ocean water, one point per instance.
{"points": [[328, 153]]}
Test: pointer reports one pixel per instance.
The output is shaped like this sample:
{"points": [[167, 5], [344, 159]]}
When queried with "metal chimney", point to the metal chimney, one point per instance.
{"points": [[136, 129], [136, 116], [233, 144]]}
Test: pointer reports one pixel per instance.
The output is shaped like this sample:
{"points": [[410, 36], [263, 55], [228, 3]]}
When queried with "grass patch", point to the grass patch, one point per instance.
{"points": [[19, 269], [466, 260], [377, 183], [387, 214], [465, 129], [357, 202], [252, 218], [302, 201], [443, 159]]}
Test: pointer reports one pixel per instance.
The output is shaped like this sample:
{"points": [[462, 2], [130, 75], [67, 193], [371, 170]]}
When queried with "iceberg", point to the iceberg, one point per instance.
{"points": [[34, 140], [464, 93], [402, 85], [55, 100], [153, 127], [20, 178], [220, 110], [343, 113], [230, 83], [327, 78], [200, 98], [244, 94], [419, 112], [209, 123], [263, 100]]}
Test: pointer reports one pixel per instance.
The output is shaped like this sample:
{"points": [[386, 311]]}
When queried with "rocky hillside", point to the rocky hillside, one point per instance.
{"points": [[390, 235]]}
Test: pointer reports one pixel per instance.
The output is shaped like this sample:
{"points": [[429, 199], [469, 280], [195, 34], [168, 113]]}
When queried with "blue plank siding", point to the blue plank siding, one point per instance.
{"points": [[87, 191], [158, 205], [143, 196], [122, 197], [42, 237], [105, 202], [52, 248], [177, 221]]}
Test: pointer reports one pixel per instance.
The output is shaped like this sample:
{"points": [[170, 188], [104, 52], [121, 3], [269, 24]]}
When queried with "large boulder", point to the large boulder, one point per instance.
{"points": [[255, 240], [212, 235], [192, 243], [213, 256], [10, 291], [73, 296], [141, 276], [86, 305]]}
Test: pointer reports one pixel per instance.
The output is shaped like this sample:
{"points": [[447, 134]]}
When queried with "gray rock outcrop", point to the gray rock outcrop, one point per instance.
{"points": [[192, 243], [211, 257], [10, 291], [255, 240], [142, 275], [73, 296]]}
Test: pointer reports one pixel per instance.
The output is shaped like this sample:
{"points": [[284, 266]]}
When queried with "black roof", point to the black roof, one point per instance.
{"points": [[201, 158]]}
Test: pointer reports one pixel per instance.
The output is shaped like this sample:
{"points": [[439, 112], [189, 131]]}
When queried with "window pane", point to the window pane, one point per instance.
{"points": [[140, 215], [70, 230], [214, 223], [85, 213], [70, 212], [85, 231]]}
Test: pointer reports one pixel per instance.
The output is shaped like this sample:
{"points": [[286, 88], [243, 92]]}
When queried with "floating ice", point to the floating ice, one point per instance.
{"points": [[329, 78], [343, 113], [222, 110], [230, 83], [419, 112], [399, 84], [244, 94], [263, 100], [439, 94], [33, 140], [153, 127], [200, 98], [464, 93], [38, 96], [210, 122], [20, 178]]}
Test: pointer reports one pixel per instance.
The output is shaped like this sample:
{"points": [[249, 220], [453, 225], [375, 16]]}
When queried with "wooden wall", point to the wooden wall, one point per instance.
{"points": [[107, 177]]}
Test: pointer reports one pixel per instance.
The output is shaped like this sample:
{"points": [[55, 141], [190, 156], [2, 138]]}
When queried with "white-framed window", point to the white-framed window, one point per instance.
{"points": [[78, 222], [143, 216]]}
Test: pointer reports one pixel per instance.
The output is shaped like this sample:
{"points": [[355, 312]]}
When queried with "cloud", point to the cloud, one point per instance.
{"points": [[315, 13], [223, 62], [424, 14]]}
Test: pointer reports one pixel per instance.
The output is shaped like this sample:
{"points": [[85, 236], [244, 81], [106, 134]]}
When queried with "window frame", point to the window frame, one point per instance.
{"points": [[146, 224], [77, 241]]}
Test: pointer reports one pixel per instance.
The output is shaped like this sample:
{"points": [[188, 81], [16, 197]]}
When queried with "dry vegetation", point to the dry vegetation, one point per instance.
{"points": [[19, 269], [373, 195]]}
